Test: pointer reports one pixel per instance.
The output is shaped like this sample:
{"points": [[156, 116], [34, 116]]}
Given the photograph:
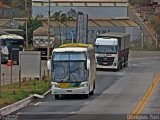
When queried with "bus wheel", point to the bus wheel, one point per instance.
{"points": [[56, 97], [86, 95], [92, 92]]}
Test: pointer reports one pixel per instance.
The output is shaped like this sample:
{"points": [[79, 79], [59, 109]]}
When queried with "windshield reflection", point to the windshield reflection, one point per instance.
{"points": [[69, 71], [105, 49], [13, 42]]}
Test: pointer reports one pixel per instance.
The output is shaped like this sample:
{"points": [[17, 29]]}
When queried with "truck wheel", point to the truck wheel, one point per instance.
{"points": [[118, 67], [121, 65], [126, 64], [126, 61], [56, 97]]}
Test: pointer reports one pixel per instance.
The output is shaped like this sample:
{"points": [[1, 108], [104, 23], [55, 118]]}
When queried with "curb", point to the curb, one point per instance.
{"points": [[20, 104]]}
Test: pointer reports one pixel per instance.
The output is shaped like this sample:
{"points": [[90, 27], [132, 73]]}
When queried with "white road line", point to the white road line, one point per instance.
{"points": [[119, 73], [73, 112], [37, 103], [18, 113], [86, 103]]}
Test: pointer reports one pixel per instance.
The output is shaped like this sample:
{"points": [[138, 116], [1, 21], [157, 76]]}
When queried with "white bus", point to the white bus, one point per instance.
{"points": [[11, 44], [73, 70]]}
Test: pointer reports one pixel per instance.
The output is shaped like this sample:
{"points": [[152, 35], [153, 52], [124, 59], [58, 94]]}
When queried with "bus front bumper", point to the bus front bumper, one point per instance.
{"points": [[66, 91]]}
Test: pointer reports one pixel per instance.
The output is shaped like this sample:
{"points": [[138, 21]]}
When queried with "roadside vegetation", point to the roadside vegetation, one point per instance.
{"points": [[13, 92], [21, 5], [32, 24], [137, 46], [139, 2], [153, 24]]}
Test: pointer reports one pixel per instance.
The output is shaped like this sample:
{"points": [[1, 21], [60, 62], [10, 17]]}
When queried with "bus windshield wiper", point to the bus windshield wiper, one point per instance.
{"points": [[63, 76], [74, 78]]}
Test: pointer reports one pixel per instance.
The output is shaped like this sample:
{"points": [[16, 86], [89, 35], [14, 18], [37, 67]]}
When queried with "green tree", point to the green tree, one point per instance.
{"points": [[139, 2], [68, 19], [61, 18], [32, 24], [57, 17], [156, 26]]}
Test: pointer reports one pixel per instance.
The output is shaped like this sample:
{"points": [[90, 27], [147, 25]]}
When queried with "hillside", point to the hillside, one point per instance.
{"points": [[2, 5], [17, 4]]}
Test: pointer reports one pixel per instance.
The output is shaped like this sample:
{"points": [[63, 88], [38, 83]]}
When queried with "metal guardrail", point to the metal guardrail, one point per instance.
{"points": [[5, 111]]}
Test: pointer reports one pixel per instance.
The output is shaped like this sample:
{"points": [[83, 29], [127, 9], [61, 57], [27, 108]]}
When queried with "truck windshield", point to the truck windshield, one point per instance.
{"points": [[69, 71], [69, 66], [105, 49], [14, 42]]}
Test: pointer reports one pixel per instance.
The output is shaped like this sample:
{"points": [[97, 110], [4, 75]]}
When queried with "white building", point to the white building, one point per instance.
{"points": [[112, 13], [94, 8]]}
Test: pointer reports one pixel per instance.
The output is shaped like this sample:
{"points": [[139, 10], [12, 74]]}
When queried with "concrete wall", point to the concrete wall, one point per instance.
{"points": [[93, 12], [93, 31], [9, 13]]}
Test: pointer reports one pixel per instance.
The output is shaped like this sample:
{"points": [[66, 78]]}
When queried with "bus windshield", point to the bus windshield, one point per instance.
{"points": [[69, 71], [105, 49], [69, 66], [69, 56]]}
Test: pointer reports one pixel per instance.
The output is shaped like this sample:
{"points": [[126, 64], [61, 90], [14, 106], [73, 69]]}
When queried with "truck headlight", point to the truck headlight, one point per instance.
{"points": [[114, 64], [84, 85], [54, 85]]}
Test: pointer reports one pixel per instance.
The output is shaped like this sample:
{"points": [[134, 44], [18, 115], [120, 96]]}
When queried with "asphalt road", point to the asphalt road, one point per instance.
{"points": [[117, 95]]}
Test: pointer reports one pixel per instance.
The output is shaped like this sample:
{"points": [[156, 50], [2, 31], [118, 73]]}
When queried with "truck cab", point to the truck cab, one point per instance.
{"points": [[106, 52], [111, 50]]}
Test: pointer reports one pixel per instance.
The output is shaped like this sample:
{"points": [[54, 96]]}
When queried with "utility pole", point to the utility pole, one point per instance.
{"points": [[26, 24], [48, 47], [0, 72], [142, 44], [156, 41]]}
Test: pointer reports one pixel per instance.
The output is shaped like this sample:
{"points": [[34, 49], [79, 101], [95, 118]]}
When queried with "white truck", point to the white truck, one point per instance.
{"points": [[112, 50], [40, 40]]}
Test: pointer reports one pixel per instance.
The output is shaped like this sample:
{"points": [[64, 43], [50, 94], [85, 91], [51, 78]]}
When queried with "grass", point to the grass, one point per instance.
{"points": [[12, 93], [136, 45]]}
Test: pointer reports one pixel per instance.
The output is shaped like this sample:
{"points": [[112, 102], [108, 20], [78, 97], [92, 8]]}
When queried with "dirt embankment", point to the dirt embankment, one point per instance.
{"points": [[140, 54]]}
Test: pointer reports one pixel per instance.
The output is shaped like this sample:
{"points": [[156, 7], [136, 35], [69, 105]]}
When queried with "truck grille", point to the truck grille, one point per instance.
{"points": [[105, 60]]}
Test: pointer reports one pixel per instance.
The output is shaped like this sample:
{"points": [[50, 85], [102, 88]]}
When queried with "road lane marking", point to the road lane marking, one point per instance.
{"points": [[86, 103], [73, 112], [37, 103], [139, 108], [19, 113]]}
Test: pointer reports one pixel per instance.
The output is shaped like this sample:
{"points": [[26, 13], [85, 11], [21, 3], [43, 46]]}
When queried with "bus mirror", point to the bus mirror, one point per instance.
{"points": [[49, 64], [88, 64]]}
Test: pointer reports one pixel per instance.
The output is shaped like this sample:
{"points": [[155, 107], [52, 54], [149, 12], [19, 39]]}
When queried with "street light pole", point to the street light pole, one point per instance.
{"points": [[0, 71], [26, 24], [142, 44], [48, 47], [156, 41]]}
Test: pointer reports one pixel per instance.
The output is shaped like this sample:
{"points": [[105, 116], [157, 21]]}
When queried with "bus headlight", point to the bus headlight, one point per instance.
{"points": [[84, 85]]}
